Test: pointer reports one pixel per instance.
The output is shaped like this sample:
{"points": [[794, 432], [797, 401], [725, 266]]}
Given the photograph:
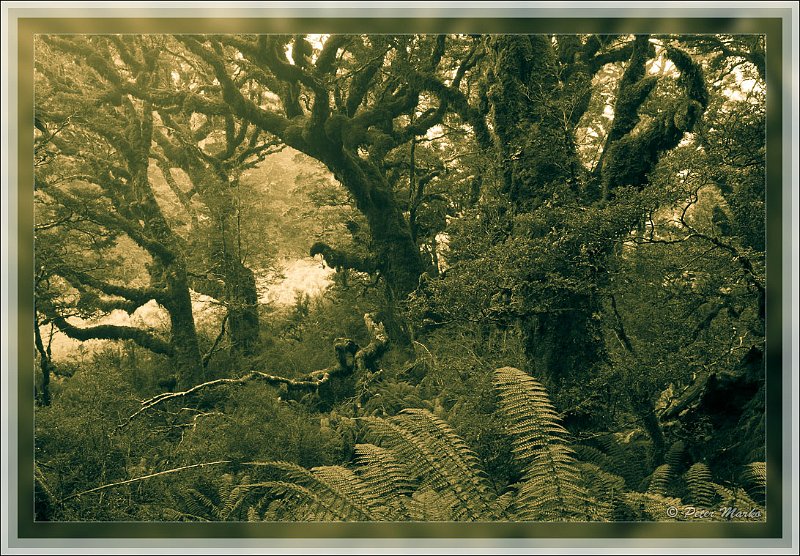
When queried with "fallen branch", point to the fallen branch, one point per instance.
{"points": [[150, 476], [366, 358], [349, 358], [312, 381]]}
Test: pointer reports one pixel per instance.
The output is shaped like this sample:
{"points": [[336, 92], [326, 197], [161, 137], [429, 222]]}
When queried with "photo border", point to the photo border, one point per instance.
{"points": [[772, 21]]}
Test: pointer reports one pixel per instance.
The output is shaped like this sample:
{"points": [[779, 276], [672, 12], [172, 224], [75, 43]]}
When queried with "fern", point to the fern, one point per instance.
{"points": [[649, 506], [661, 479], [551, 488], [386, 477], [676, 455], [736, 499], [430, 505], [335, 491], [754, 478], [436, 457], [606, 488], [700, 489], [592, 455], [417, 468], [221, 500], [621, 461]]}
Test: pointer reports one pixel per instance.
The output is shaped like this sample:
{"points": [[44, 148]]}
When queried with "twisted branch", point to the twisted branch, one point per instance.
{"points": [[349, 358]]}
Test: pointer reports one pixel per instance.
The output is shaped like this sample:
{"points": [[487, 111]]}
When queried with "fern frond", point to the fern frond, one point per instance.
{"points": [[648, 506], [700, 489], [338, 490], [384, 476], [195, 503], [551, 488], [590, 454], [503, 505], [736, 500], [532, 420], [427, 504], [754, 478], [606, 488], [252, 514], [676, 455], [347, 485], [623, 461], [300, 503], [661, 480], [436, 456]]}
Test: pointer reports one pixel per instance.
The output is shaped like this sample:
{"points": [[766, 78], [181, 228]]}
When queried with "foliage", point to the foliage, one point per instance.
{"points": [[563, 237]]}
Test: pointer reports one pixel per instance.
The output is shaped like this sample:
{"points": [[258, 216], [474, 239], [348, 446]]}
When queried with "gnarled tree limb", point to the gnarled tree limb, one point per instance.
{"points": [[340, 259], [113, 332], [349, 358]]}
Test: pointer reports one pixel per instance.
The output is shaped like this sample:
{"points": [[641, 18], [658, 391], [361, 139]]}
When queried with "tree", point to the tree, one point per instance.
{"points": [[345, 102], [101, 173], [552, 224], [214, 166]]}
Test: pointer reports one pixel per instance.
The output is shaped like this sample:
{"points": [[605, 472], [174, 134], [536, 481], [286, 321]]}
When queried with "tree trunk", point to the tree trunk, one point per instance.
{"points": [[536, 151], [647, 414], [44, 357], [562, 346], [241, 297], [186, 358], [394, 247]]}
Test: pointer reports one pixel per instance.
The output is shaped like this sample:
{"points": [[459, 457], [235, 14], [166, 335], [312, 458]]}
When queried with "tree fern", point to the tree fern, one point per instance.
{"points": [[754, 478], [330, 493], [661, 480], [551, 488], [699, 488], [436, 457]]}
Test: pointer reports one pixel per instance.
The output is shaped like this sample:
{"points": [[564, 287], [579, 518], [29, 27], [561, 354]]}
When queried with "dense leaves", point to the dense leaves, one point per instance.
{"points": [[417, 277]]}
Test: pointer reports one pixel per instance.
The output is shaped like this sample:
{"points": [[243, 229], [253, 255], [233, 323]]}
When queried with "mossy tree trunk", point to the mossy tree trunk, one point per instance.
{"points": [[116, 141], [538, 88], [350, 125]]}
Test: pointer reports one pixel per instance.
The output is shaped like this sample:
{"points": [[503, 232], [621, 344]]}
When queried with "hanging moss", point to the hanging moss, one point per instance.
{"points": [[630, 158], [528, 103], [634, 89], [691, 78]]}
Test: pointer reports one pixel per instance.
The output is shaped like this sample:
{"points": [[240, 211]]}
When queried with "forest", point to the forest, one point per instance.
{"points": [[399, 277]]}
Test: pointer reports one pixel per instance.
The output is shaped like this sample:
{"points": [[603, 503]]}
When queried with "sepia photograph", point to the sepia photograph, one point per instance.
{"points": [[306, 274]]}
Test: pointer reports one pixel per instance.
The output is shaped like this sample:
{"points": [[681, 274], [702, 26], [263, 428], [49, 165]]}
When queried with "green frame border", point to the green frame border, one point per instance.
{"points": [[27, 529]]}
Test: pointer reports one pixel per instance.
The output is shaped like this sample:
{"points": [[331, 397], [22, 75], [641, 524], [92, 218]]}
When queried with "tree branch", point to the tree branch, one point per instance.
{"points": [[150, 476], [207, 356], [139, 296], [110, 220], [113, 332], [232, 96], [339, 259], [349, 358]]}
